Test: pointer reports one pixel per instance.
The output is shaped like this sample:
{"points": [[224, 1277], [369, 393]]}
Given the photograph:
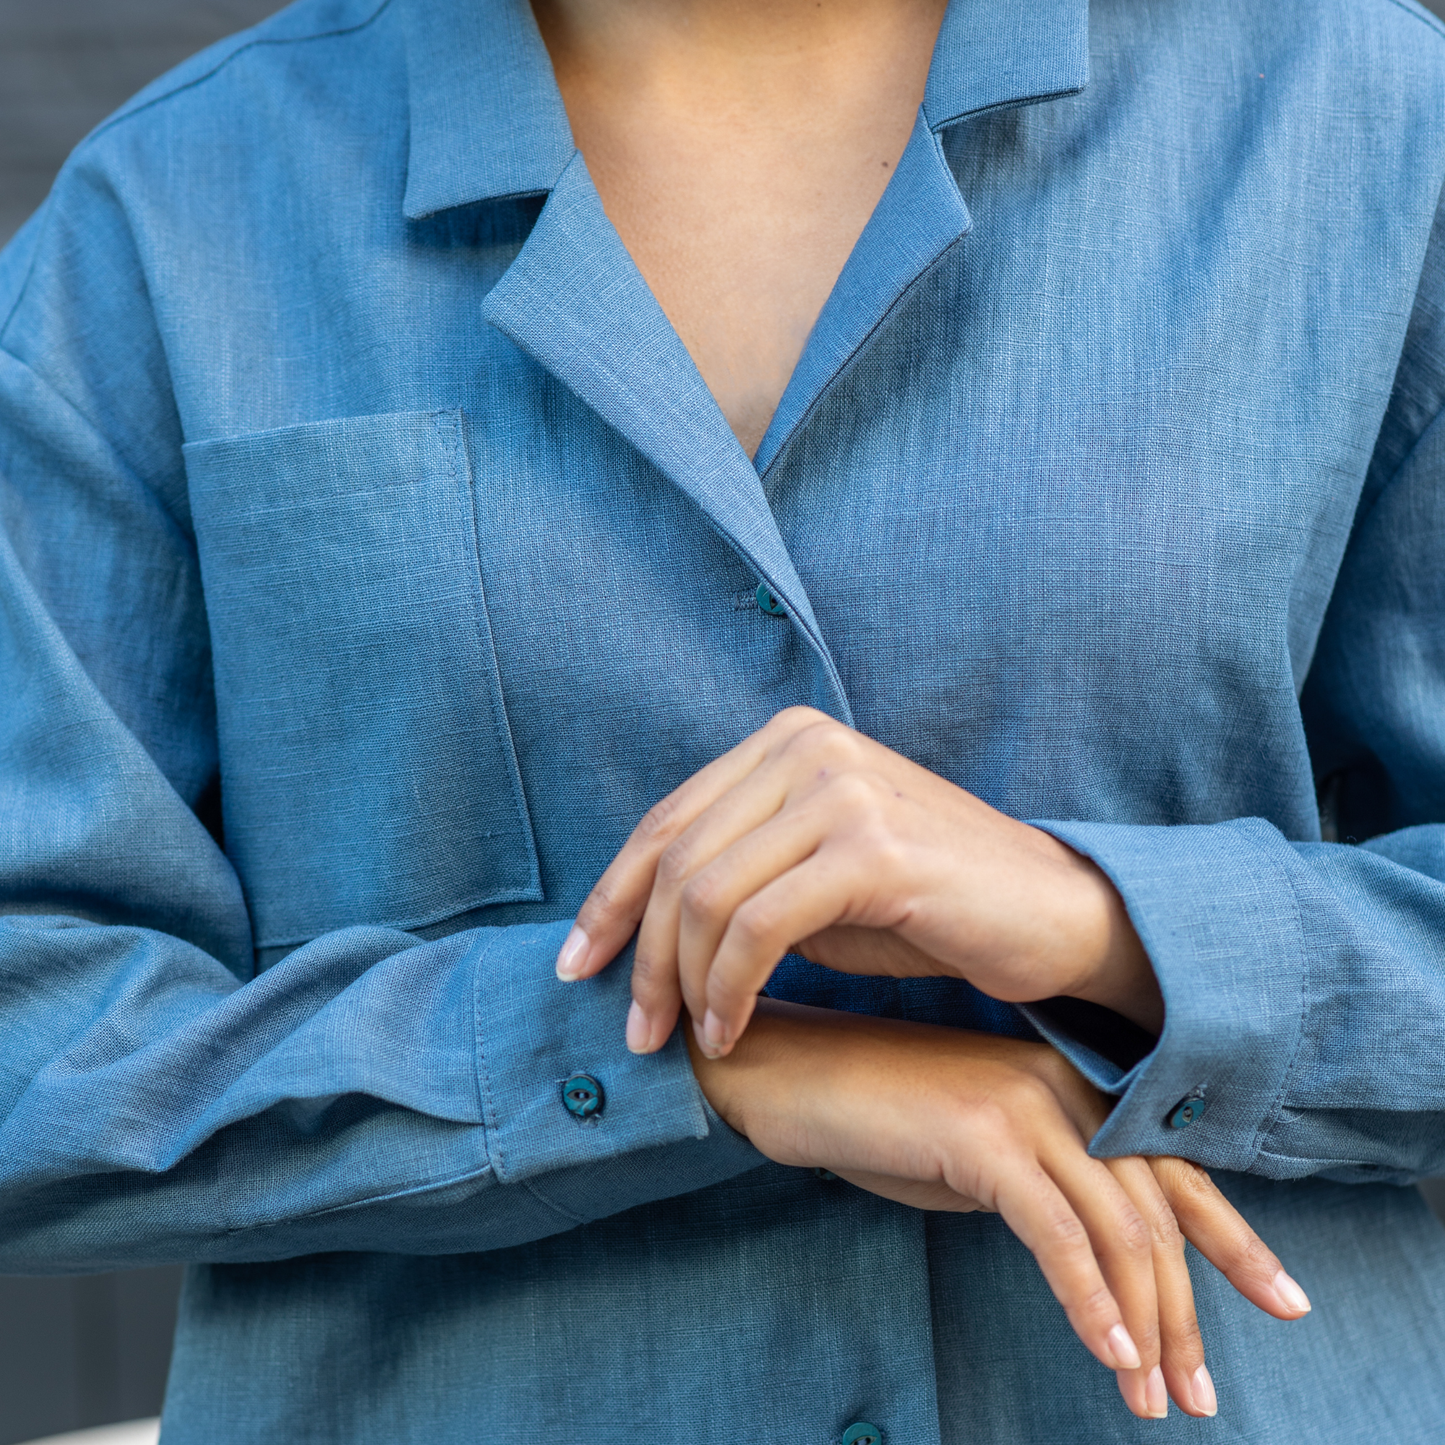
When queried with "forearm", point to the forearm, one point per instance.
{"points": [[371, 1091]]}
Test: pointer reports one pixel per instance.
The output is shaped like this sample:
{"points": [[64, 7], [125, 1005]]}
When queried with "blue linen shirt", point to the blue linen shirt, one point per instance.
{"points": [[373, 555]]}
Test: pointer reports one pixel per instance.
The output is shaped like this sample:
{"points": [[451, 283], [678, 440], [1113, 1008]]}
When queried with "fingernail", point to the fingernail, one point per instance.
{"points": [[572, 955], [713, 1033], [1156, 1394], [709, 1051], [639, 1031], [1201, 1390], [1123, 1349], [1291, 1296]]}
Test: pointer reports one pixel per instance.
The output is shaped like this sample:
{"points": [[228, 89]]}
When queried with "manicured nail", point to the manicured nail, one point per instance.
{"points": [[1201, 1390], [572, 955], [1291, 1296], [639, 1031], [708, 1050], [1123, 1349], [713, 1033], [1156, 1394]]}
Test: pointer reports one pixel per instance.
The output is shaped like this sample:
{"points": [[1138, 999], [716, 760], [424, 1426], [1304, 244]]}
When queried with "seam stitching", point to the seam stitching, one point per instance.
{"points": [[1428, 20], [1271, 1116], [130, 109], [125, 114], [405, 1191], [491, 1120]]}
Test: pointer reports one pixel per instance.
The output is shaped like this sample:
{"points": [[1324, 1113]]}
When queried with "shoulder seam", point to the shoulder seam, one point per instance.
{"points": [[1432, 22], [131, 109]]}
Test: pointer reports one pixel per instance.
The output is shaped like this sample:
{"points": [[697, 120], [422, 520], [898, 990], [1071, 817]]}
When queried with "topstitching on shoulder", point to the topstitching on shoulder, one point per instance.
{"points": [[1421, 14], [321, 20]]}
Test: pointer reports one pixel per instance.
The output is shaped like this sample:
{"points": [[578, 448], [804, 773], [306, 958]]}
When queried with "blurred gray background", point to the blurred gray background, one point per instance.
{"points": [[87, 1351], [66, 64]]}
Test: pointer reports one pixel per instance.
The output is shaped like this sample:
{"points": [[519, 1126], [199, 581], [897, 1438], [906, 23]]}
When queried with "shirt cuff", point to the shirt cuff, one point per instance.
{"points": [[534, 1033], [1219, 919]]}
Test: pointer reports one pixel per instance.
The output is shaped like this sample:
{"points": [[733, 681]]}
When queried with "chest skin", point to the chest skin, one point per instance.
{"points": [[739, 153]]}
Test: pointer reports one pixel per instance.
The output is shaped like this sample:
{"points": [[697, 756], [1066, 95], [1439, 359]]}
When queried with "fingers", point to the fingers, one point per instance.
{"points": [[1074, 1258], [1219, 1232], [729, 897], [850, 948], [1124, 1248], [614, 908], [1181, 1347], [711, 867], [722, 976]]}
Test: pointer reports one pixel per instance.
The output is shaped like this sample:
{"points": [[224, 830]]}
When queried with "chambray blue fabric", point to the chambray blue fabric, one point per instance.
{"points": [[373, 555]]}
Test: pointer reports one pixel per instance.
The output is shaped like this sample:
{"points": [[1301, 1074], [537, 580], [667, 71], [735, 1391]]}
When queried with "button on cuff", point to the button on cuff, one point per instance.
{"points": [[583, 1096], [1186, 1111]]}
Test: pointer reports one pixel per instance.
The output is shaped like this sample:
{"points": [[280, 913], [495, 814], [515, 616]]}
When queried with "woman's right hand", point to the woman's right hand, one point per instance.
{"points": [[945, 1119]]}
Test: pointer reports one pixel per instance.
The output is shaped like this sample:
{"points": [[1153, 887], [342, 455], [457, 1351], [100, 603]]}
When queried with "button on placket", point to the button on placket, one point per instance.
{"points": [[768, 601], [583, 1096], [862, 1433]]}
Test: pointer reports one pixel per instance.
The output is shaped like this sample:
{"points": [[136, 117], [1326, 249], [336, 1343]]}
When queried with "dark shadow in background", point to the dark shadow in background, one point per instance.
{"points": [[66, 64], [88, 1351], [85, 1351]]}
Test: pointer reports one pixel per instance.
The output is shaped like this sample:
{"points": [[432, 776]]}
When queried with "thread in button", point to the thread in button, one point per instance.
{"points": [[1187, 1111], [768, 601]]}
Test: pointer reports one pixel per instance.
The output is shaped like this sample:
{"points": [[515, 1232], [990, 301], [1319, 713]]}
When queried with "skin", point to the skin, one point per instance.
{"points": [[810, 836], [946, 1119], [739, 148]]}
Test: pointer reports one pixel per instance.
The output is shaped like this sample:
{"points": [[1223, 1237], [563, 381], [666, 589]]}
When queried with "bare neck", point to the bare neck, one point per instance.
{"points": [[739, 147]]}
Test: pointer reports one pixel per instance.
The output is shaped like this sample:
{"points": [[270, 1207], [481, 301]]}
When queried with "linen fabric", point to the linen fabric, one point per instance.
{"points": [[373, 556]]}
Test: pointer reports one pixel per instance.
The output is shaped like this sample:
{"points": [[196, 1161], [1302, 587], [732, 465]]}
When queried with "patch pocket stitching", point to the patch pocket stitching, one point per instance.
{"points": [[227, 503], [451, 426]]}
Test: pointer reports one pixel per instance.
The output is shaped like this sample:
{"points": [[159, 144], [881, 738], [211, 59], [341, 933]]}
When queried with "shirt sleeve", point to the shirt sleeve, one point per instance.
{"points": [[1304, 981], [160, 1099]]}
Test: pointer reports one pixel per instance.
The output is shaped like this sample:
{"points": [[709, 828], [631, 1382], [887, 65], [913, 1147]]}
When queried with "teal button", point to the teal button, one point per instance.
{"points": [[862, 1434], [582, 1095], [1186, 1111], [768, 603]]}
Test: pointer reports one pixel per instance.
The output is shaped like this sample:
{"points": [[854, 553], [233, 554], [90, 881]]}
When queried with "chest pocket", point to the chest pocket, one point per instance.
{"points": [[367, 768]]}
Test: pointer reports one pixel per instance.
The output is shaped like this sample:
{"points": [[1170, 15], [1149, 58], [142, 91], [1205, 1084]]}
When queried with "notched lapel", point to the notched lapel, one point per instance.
{"points": [[918, 218], [574, 301]]}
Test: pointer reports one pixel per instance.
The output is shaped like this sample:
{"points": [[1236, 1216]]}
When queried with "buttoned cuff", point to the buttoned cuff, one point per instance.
{"points": [[536, 1033], [1217, 915]]}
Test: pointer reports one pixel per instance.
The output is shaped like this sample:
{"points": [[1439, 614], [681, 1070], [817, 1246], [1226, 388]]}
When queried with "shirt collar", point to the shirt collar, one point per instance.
{"points": [[997, 53], [487, 120]]}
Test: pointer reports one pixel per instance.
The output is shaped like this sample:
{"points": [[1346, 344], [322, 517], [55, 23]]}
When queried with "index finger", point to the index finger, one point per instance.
{"points": [[611, 912]]}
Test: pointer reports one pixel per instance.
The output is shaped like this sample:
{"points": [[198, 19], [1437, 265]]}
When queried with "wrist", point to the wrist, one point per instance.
{"points": [[786, 1053], [726, 1082], [1109, 965]]}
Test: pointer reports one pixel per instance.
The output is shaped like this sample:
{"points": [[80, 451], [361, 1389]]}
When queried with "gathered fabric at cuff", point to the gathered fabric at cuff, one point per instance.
{"points": [[1218, 916], [536, 1033]]}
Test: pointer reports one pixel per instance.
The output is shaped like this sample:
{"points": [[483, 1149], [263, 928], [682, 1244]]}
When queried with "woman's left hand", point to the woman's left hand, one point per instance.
{"points": [[810, 836]]}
